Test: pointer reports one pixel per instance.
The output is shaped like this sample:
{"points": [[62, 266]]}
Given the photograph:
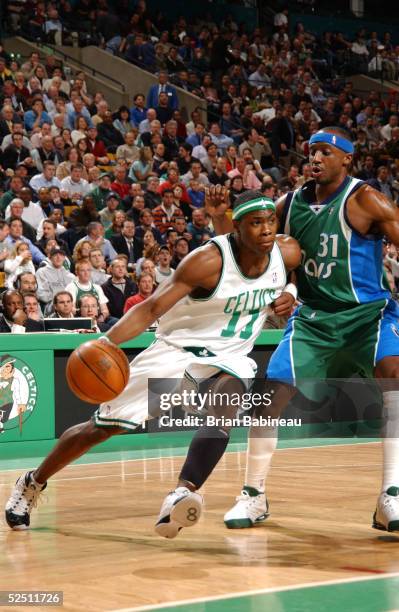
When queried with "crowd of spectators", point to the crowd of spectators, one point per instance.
{"points": [[106, 202]]}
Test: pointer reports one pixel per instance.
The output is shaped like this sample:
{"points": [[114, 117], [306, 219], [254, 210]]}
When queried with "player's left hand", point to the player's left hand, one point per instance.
{"points": [[283, 305]]}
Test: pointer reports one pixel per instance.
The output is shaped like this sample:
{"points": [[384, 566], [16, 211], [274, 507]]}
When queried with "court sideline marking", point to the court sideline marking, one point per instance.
{"points": [[172, 456], [292, 587]]}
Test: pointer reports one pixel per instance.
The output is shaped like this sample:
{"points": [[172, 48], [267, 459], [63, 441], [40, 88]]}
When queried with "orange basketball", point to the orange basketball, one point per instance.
{"points": [[97, 371]]}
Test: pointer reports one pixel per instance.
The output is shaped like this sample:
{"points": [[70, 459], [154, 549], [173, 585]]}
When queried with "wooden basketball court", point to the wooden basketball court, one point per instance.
{"points": [[92, 537]]}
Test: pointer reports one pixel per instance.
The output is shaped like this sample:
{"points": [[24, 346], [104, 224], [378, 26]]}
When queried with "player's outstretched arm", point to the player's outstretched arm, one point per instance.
{"points": [[202, 268], [217, 202], [291, 252]]}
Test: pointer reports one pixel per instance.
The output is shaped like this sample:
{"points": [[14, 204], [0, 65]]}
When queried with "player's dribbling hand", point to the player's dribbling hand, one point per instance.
{"points": [[282, 306], [216, 200]]}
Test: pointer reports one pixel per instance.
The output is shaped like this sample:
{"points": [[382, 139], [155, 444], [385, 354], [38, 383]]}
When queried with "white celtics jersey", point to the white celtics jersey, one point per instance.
{"points": [[231, 318]]}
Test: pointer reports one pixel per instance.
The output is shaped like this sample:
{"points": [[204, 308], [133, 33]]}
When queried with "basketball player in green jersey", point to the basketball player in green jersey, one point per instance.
{"points": [[347, 323]]}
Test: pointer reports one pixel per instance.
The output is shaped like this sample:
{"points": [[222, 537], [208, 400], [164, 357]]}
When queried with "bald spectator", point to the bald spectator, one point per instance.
{"points": [[128, 151], [14, 320]]}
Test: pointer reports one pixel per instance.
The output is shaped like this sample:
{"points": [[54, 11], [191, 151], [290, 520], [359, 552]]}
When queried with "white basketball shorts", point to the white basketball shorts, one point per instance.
{"points": [[163, 361]]}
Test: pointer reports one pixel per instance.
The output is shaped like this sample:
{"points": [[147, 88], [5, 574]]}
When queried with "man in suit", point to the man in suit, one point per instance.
{"points": [[118, 288], [162, 87], [16, 153], [7, 118], [14, 320], [126, 243]]}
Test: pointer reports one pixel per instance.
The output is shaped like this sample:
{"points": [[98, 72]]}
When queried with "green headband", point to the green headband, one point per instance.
{"points": [[251, 206]]}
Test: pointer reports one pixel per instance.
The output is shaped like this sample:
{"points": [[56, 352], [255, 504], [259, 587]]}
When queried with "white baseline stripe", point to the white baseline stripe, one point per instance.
{"points": [[178, 456], [292, 587]]}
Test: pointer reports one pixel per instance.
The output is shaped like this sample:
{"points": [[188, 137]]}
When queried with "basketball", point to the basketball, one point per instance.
{"points": [[97, 371]]}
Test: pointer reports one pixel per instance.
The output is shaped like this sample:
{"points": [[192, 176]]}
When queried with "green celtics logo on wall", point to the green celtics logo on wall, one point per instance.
{"points": [[18, 393]]}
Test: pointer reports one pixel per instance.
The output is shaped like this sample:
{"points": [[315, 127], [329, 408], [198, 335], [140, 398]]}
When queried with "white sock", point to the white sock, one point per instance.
{"points": [[262, 442], [390, 441]]}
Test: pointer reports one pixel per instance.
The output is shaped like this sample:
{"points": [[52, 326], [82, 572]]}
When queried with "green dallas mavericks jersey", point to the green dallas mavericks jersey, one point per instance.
{"points": [[340, 268]]}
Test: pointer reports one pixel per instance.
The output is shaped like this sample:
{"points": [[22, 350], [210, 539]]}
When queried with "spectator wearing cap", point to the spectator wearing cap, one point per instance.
{"points": [[107, 213], [163, 271], [76, 186], [101, 191], [120, 184], [119, 287], [53, 277]]}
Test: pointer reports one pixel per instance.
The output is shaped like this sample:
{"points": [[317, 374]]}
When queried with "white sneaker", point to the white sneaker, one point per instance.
{"points": [[181, 508], [249, 509], [23, 499], [386, 516]]}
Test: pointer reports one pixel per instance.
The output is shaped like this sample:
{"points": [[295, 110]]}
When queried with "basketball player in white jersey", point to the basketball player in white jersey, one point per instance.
{"points": [[211, 312]]}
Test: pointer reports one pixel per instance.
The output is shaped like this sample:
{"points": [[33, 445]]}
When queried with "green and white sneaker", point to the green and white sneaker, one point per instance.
{"points": [[386, 516], [181, 508], [251, 507]]}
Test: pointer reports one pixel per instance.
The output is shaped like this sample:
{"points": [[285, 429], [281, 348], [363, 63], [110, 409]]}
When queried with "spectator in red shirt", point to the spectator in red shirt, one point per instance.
{"points": [[146, 287], [120, 184], [96, 146], [173, 180]]}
